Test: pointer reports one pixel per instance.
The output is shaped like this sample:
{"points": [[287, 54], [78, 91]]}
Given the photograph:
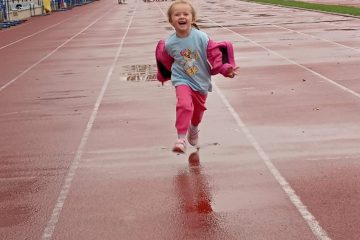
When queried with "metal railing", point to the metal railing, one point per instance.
{"points": [[11, 8]]}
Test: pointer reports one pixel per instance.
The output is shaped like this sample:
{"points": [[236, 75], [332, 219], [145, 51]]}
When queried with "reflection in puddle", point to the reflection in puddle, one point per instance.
{"points": [[195, 199], [193, 187]]}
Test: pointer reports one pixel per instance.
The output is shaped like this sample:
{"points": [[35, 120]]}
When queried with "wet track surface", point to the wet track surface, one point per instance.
{"points": [[86, 134]]}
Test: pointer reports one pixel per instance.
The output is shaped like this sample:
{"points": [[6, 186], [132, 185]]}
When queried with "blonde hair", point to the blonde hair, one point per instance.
{"points": [[187, 2]]}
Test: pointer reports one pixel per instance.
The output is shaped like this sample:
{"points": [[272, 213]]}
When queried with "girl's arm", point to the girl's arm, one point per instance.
{"points": [[163, 62], [221, 58]]}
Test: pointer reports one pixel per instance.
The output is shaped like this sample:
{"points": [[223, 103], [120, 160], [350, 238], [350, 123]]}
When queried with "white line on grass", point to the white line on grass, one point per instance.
{"points": [[50, 227]]}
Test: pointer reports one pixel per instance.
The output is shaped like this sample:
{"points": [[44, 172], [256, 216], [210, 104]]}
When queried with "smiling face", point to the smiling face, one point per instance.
{"points": [[181, 17]]}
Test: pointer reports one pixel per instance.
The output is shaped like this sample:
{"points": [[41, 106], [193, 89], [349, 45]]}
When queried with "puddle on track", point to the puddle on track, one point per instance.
{"points": [[139, 73]]}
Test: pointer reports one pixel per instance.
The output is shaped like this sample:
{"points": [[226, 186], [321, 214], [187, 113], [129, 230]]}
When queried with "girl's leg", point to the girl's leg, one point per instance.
{"points": [[199, 101], [184, 109]]}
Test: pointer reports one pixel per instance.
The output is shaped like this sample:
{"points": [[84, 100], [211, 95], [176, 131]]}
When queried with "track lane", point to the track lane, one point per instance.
{"points": [[295, 118], [38, 46], [127, 174], [42, 119], [48, 232], [129, 182]]}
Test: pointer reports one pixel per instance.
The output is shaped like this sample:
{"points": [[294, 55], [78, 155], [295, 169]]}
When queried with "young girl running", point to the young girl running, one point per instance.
{"points": [[191, 73]]}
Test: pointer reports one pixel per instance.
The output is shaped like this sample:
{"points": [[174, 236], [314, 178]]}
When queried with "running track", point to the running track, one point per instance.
{"points": [[85, 153]]}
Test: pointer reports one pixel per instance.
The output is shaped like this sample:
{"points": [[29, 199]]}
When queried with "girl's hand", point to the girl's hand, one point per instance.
{"points": [[232, 72]]}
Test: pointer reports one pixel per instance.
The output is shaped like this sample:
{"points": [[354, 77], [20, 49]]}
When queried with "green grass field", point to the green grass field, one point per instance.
{"points": [[314, 6]]}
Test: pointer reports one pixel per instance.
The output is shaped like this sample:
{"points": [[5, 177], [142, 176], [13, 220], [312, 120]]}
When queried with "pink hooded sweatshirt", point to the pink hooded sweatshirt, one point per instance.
{"points": [[220, 56]]}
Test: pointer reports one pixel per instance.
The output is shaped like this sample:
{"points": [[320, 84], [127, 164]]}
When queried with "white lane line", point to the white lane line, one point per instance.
{"points": [[318, 38], [49, 54], [291, 61], [50, 227], [34, 34], [315, 227], [16, 178], [163, 13], [17, 112]]}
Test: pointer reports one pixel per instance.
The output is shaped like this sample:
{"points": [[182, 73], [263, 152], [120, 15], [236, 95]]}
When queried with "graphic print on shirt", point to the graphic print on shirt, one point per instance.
{"points": [[188, 62]]}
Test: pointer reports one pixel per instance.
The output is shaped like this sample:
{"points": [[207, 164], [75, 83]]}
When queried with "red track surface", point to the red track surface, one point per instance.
{"points": [[85, 154]]}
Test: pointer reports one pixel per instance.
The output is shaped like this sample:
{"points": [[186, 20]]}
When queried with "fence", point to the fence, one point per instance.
{"points": [[14, 10], [19, 9]]}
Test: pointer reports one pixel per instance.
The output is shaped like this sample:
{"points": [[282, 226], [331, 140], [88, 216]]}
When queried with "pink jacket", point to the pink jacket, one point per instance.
{"points": [[220, 56]]}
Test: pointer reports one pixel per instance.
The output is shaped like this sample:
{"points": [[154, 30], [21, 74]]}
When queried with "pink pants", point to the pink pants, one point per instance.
{"points": [[190, 107]]}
